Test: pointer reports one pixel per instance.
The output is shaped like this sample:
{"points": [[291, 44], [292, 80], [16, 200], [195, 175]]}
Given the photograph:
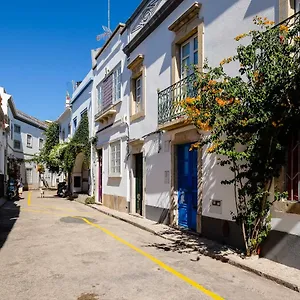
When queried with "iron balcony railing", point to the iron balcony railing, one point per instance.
{"points": [[169, 100]]}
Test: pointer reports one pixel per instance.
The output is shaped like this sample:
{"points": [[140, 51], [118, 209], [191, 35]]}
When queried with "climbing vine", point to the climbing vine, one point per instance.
{"points": [[249, 118]]}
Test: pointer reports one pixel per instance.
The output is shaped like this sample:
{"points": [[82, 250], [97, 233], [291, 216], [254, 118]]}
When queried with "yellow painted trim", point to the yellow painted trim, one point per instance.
{"points": [[29, 199], [158, 262]]}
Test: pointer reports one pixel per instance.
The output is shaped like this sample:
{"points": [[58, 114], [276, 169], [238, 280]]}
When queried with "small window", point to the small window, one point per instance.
{"points": [[29, 141], [117, 84], [41, 144], [138, 95], [63, 135], [99, 97], [17, 144], [189, 56], [83, 112], [29, 176], [75, 123], [115, 158], [69, 129], [17, 128], [12, 131], [297, 6]]}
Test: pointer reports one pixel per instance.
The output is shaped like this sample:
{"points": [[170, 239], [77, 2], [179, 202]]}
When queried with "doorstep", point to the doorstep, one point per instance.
{"points": [[281, 274]]}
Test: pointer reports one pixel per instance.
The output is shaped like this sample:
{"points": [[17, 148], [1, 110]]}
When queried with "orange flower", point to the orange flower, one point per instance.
{"points": [[241, 36], [212, 82], [189, 100], [212, 148], [274, 124], [283, 28], [220, 101]]}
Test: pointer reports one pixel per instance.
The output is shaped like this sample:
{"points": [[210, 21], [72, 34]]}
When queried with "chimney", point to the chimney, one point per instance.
{"points": [[68, 100]]}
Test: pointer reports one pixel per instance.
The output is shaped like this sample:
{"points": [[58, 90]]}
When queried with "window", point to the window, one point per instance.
{"points": [[75, 123], [12, 131], [41, 144], [99, 97], [17, 144], [137, 85], [117, 84], [63, 135], [83, 112], [115, 158], [69, 129], [138, 95], [29, 176], [17, 128], [29, 141], [297, 6], [189, 56]]}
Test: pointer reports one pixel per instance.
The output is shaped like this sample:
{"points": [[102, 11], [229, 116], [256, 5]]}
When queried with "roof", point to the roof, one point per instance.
{"points": [[29, 119]]}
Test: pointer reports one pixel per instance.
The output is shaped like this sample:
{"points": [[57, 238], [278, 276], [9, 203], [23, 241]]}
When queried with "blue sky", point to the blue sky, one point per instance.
{"points": [[44, 45]]}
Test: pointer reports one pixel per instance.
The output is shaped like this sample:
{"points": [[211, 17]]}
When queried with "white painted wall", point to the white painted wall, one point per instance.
{"points": [[109, 59], [220, 29]]}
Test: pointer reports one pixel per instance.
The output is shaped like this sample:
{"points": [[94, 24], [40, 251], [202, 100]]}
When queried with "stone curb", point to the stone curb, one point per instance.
{"points": [[219, 257]]}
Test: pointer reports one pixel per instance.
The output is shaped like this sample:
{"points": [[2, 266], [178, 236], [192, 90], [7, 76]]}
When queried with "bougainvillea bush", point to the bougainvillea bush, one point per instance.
{"points": [[257, 111]]}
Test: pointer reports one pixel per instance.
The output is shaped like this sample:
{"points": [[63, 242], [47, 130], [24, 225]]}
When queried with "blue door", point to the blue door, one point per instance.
{"points": [[187, 186]]}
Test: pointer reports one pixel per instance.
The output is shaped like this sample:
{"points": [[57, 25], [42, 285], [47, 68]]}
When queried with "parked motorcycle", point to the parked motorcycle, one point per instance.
{"points": [[62, 189], [12, 191]]}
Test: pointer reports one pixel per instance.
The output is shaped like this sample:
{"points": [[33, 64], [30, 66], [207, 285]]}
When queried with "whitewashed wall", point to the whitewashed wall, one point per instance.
{"points": [[109, 59], [220, 29]]}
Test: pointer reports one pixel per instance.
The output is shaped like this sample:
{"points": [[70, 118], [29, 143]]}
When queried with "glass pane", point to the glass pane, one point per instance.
{"points": [[185, 66], [196, 43], [196, 58], [186, 50]]}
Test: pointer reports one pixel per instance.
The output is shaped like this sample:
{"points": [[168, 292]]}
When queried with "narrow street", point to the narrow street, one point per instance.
{"points": [[53, 248]]}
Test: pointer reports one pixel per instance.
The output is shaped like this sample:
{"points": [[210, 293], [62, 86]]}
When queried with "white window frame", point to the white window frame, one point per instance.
{"points": [[29, 145], [41, 143], [191, 42], [138, 98], [75, 121], [117, 84], [115, 155], [19, 128], [18, 148]]}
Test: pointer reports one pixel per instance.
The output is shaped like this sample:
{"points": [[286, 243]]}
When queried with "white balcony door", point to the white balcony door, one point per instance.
{"points": [[189, 56]]}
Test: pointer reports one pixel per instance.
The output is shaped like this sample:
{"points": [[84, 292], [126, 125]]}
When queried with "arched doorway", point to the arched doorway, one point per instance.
{"points": [[80, 175]]}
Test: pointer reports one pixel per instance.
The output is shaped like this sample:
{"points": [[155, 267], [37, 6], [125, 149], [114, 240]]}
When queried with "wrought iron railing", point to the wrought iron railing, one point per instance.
{"points": [[169, 100]]}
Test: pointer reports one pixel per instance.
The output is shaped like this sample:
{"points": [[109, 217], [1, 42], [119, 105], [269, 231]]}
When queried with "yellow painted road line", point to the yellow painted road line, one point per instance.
{"points": [[193, 283], [29, 199], [169, 269]]}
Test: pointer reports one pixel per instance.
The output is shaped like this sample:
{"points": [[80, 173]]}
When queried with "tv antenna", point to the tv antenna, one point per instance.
{"points": [[106, 30]]}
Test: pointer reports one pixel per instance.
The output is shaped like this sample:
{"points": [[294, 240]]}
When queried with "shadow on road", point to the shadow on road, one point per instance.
{"points": [[187, 242], [9, 213]]}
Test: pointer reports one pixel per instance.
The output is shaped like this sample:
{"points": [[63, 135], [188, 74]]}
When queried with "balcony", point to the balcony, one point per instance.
{"points": [[170, 112], [105, 113]]}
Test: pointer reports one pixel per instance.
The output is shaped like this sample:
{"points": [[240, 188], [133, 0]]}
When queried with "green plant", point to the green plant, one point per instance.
{"points": [[250, 117], [90, 200]]}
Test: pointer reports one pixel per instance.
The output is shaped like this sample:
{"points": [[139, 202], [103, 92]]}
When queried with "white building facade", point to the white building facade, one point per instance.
{"points": [[24, 138]]}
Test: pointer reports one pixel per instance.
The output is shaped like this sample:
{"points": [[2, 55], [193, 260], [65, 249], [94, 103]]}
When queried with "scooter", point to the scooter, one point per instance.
{"points": [[12, 191], [62, 189]]}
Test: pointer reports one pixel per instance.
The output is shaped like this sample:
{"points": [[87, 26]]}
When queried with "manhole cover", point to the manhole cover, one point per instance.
{"points": [[76, 219]]}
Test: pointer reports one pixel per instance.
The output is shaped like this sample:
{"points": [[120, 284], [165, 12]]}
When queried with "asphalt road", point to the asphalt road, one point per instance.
{"points": [[53, 248]]}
